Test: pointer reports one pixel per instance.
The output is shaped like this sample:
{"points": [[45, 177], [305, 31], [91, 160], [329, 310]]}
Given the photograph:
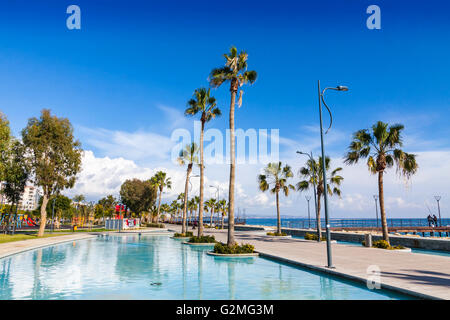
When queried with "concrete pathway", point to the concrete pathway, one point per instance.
{"points": [[425, 276], [10, 248]]}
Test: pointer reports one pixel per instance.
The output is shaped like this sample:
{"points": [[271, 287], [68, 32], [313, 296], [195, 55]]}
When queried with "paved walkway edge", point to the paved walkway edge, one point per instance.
{"points": [[346, 276], [53, 243]]}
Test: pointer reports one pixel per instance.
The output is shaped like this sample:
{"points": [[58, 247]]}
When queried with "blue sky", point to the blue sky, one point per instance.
{"points": [[125, 77]]}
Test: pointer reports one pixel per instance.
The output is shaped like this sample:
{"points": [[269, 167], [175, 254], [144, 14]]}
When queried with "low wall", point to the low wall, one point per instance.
{"points": [[410, 242]]}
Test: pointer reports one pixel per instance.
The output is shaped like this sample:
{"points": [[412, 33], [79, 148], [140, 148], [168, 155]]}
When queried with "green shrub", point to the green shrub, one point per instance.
{"points": [[183, 235], [313, 236], [282, 234], [202, 239], [382, 244], [222, 248], [155, 225]]}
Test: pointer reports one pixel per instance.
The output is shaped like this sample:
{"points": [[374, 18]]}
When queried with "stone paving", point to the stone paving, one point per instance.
{"points": [[425, 276]]}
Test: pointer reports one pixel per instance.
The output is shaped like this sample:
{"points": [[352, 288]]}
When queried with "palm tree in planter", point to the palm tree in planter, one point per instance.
{"points": [[189, 156], [235, 72], [312, 172], [204, 104], [381, 146], [211, 205], [161, 181], [276, 175]]}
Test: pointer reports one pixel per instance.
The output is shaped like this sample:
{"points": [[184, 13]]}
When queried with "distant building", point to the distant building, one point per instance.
{"points": [[29, 200]]}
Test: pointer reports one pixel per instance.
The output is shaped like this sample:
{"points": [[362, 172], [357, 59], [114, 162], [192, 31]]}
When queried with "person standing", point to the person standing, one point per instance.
{"points": [[435, 220], [430, 219]]}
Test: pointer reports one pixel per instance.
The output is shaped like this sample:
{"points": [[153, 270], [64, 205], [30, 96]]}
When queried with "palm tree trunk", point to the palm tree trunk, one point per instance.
{"points": [[278, 214], [159, 206], [183, 222], [382, 212], [319, 226], [221, 223], [202, 168], [231, 240], [211, 221], [43, 220]]}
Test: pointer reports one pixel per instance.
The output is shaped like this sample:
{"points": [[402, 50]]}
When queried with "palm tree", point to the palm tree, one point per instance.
{"points": [[313, 174], [211, 205], [223, 205], [196, 201], [277, 175], [204, 104], [192, 205], [380, 146], [235, 72], [160, 181], [189, 156]]}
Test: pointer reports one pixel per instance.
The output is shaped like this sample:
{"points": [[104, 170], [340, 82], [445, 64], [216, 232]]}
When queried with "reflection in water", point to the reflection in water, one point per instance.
{"points": [[157, 267]]}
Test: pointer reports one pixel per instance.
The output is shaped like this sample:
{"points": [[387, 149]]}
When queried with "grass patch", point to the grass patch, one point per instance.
{"points": [[183, 235], [5, 238], [313, 236], [276, 234], [202, 239], [222, 248]]}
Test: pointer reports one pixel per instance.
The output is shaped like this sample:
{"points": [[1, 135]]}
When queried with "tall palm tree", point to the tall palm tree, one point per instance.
{"points": [[160, 180], [211, 205], [380, 146], [192, 205], [189, 156], [276, 175], [180, 198], [223, 205], [196, 201], [204, 104], [235, 72], [313, 174]]}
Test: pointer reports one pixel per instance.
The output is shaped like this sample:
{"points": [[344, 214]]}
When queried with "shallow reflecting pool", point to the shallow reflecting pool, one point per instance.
{"points": [[157, 267]]}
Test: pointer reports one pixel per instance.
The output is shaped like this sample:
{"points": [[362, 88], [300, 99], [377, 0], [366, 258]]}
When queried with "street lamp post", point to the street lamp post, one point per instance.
{"points": [[314, 187], [375, 197], [438, 198], [309, 216], [325, 188]]}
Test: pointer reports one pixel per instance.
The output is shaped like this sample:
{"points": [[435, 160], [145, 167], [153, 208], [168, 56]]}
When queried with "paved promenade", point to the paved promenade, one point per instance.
{"points": [[10, 248], [427, 276]]}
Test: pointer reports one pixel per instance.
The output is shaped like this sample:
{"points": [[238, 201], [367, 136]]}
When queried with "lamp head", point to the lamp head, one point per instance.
{"points": [[342, 88], [437, 198]]}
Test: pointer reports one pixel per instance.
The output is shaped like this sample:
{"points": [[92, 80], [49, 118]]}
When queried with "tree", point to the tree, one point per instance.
{"points": [[107, 204], [204, 104], [78, 202], [222, 206], [277, 175], [55, 156], [235, 72], [138, 195], [16, 174], [5, 136], [192, 205], [211, 205], [313, 174], [381, 146], [61, 204], [160, 181], [189, 156]]}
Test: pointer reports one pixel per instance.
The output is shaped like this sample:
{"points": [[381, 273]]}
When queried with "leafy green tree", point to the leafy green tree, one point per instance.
{"points": [[138, 195], [16, 174], [276, 175], [106, 206], [161, 181], [235, 72], [204, 104], [189, 156], [381, 146], [312, 174], [54, 154], [5, 137]]}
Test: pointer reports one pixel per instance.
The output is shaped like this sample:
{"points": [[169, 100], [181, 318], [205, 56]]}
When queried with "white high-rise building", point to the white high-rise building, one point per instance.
{"points": [[29, 199]]}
